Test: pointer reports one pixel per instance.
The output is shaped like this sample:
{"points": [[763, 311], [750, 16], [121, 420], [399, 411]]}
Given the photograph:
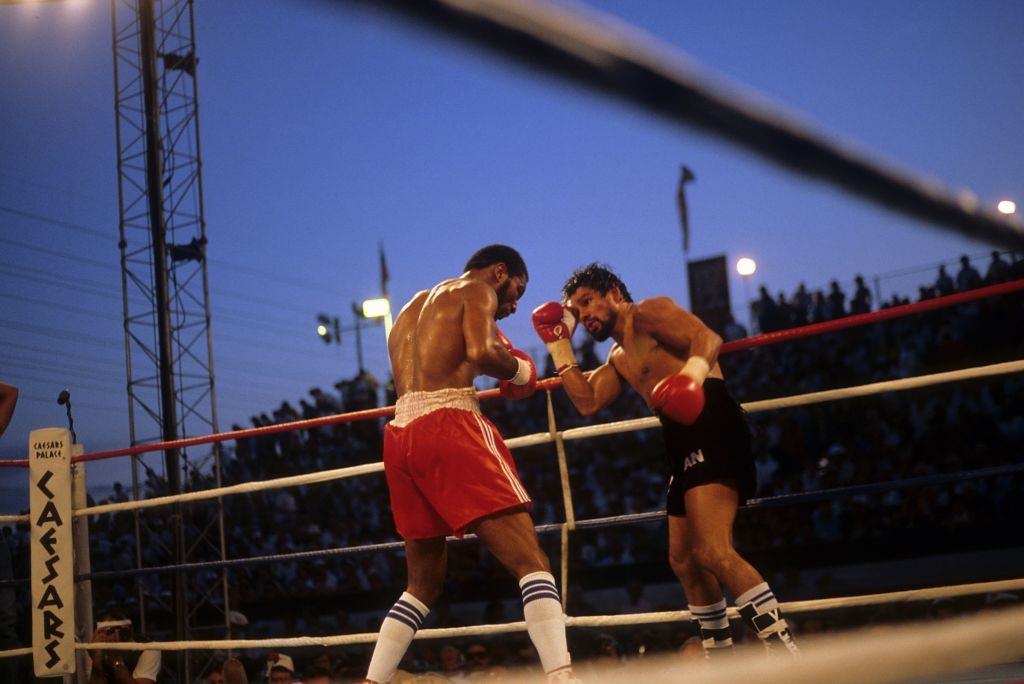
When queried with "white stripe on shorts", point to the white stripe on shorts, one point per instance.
{"points": [[517, 487]]}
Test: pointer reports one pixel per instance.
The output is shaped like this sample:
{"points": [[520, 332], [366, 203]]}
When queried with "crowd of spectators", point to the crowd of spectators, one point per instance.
{"points": [[804, 307], [884, 438]]}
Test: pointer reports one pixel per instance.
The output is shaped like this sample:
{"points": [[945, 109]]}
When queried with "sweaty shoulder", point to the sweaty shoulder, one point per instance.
{"points": [[476, 291], [649, 313], [414, 305]]}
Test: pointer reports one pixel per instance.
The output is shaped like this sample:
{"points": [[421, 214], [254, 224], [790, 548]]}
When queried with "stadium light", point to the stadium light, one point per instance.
{"points": [[376, 308], [1007, 207], [328, 329], [746, 266]]}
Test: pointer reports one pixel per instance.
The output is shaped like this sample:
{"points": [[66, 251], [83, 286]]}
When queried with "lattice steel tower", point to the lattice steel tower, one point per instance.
{"points": [[168, 351]]}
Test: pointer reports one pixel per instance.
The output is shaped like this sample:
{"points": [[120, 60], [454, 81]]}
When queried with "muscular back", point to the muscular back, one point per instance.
{"points": [[434, 338]]}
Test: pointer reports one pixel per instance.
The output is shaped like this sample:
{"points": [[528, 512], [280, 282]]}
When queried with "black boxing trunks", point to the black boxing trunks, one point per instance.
{"points": [[716, 448]]}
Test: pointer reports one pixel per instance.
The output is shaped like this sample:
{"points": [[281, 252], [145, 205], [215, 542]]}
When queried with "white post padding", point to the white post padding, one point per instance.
{"points": [[83, 565], [52, 576]]}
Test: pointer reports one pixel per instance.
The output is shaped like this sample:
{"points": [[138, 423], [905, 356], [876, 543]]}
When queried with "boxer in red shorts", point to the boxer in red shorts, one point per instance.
{"points": [[448, 470]]}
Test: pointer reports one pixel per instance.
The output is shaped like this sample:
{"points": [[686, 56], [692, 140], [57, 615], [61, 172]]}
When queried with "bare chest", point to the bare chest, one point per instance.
{"points": [[643, 362]]}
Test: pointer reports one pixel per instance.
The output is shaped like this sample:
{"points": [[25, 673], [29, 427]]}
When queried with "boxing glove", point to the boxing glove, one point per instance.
{"points": [[524, 382], [555, 324], [681, 396]]}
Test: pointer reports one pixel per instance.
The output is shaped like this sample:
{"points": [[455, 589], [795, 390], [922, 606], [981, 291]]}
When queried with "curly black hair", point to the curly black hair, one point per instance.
{"points": [[598, 277], [498, 254]]}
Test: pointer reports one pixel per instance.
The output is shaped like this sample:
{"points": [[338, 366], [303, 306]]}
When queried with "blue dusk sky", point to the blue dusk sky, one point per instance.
{"points": [[328, 128]]}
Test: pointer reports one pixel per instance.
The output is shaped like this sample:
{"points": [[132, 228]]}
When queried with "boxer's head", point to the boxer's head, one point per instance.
{"points": [[506, 270], [594, 293]]}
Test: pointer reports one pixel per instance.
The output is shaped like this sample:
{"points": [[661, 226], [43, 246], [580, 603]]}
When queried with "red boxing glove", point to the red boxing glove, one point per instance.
{"points": [[681, 396], [554, 324], [524, 382]]}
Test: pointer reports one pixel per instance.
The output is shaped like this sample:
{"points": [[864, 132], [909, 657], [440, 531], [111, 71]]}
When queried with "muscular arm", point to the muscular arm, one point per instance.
{"points": [[591, 392], [8, 398], [483, 348], [677, 328]]}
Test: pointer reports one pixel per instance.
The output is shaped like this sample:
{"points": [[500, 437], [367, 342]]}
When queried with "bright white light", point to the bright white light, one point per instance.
{"points": [[376, 308], [321, 330], [1007, 207], [746, 266]]}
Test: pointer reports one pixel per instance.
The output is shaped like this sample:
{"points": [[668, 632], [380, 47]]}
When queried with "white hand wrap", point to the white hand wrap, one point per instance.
{"points": [[697, 368], [561, 353], [523, 372]]}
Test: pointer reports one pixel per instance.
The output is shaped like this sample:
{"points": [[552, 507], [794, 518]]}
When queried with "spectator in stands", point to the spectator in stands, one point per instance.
{"points": [[861, 302], [801, 305], [943, 284], [325, 404], [215, 675], [767, 316], [998, 270], [836, 301], [819, 307], [453, 663], [478, 658], [120, 667], [967, 278], [280, 669], [317, 675], [785, 313]]}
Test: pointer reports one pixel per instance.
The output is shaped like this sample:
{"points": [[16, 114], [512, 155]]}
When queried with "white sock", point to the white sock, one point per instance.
{"points": [[544, 620], [714, 625], [396, 634], [760, 610]]}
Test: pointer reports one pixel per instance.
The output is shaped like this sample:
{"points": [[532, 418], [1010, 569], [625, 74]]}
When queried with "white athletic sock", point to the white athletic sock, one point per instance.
{"points": [[396, 634], [759, 609], [544, 620], [714, 625]]}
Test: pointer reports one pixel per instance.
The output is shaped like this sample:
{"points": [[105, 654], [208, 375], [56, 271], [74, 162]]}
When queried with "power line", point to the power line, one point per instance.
{"points": [[62, 335], [55, 222], [287, 328], [62, 307], [59, 254], [247, 270]]}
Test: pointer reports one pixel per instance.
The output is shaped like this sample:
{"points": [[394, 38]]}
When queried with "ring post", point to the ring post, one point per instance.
{"points": [[83, 564], [52, 576]]}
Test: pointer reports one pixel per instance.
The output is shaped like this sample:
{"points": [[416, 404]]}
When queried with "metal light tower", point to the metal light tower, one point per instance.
{"points": [[168, 350]]}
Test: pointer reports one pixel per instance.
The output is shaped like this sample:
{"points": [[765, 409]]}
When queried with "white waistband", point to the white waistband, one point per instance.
{"points": [[415, 405]]}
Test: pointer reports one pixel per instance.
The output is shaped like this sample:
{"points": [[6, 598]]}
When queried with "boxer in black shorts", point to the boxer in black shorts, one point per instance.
{"points": [[670, 358], [716, 448]]}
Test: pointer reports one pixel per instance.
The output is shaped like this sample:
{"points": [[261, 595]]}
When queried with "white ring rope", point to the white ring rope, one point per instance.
{"points": [[615, 427], [789, 402], [886, 386], [244, 488], [582, 621]]}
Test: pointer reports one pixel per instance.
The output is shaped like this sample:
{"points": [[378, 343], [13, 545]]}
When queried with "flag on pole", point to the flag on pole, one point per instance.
{"points": [[684, 219], [384, 275]]}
